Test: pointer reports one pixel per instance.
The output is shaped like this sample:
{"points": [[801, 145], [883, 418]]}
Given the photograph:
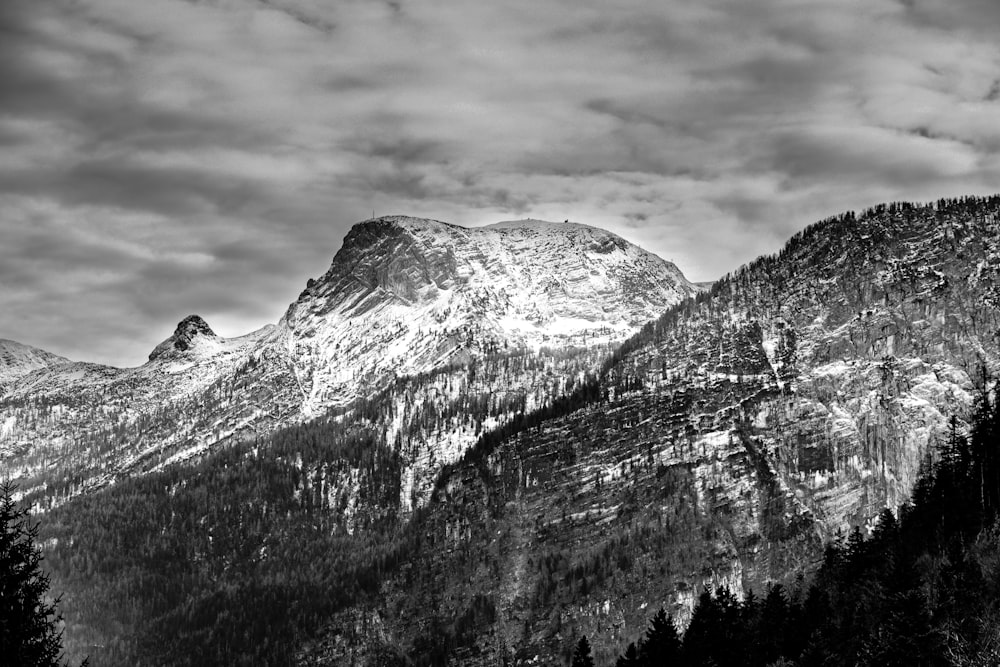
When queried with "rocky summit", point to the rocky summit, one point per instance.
{"points": [[189, 333]]}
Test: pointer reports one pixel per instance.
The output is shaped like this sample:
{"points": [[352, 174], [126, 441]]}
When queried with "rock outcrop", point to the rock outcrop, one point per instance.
{"points": [[191, 332]]}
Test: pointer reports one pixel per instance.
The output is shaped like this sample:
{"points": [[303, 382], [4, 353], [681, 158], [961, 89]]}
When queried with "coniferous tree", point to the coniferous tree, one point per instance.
{"points": [[772, 624], [28, 634], [703, 632], [661, 645], [630, 658], [581, 656]]}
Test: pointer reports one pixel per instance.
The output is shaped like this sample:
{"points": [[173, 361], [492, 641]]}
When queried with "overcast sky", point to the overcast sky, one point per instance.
{"points": [[166, 157]]}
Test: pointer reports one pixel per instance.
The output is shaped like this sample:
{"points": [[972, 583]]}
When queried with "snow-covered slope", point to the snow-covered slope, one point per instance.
{"points": [[78, 425], [403, 296], [17, 360]]}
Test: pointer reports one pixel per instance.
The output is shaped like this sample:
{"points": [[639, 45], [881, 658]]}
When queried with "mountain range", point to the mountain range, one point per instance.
{"points": [[403, 296], [539, 429]]}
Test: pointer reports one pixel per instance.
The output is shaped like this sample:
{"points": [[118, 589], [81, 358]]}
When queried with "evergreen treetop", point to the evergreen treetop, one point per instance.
{"points": [[581, 656], [28, 617]]}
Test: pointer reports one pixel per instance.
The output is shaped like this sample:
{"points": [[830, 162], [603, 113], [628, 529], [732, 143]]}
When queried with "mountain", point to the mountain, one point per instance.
{"points": [[496, 508], [724, 444], [17, 360], [403, 297]]}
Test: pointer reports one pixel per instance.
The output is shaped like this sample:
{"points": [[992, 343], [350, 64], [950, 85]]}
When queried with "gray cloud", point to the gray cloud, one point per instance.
{"points": [[167, 157]]}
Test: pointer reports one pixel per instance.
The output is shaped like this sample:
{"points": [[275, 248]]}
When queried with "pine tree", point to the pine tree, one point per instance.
{"points": [[28, 634], [703, 634], [772, 623], [662, 645], [581, 656], [630, 657]]}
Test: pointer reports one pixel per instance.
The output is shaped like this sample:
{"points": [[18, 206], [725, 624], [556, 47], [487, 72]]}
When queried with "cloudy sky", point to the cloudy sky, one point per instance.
{"points": [[167, 157]]}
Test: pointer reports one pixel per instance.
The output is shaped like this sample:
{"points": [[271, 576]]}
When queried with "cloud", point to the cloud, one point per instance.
{"points": [[167, 157]]}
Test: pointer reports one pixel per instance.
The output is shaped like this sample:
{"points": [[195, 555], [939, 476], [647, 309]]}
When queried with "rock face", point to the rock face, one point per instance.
{"points": [[724, 443], [848, 350], [404, 297]]}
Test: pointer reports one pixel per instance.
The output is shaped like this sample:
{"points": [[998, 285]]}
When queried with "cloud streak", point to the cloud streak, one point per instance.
{"points": [[167, 157]]}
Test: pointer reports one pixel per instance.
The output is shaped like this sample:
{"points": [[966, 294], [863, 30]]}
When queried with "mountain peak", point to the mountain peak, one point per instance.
{"points": [[406, 294], [186, 336], [188, 328]]}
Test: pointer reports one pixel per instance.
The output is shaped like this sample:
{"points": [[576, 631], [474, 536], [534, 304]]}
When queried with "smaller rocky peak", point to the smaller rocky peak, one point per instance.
{"points": [[189, 329], [186, 337]]}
